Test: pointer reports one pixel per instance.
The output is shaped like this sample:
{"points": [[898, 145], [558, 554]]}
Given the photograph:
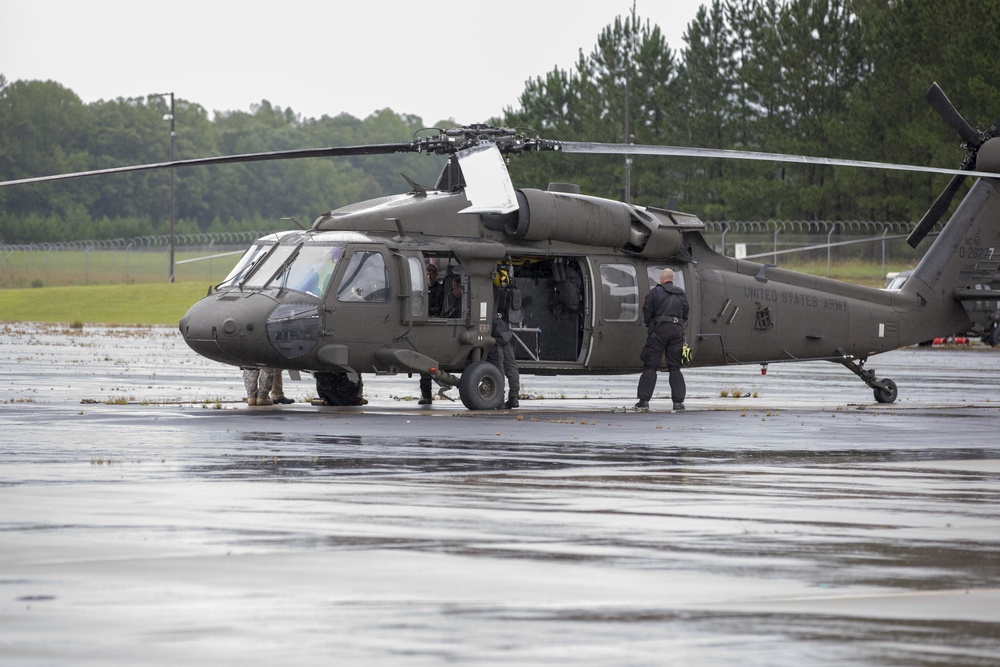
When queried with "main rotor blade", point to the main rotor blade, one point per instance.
{"points": [[935, 212], [487, 182], [940, 103], [682, 151], [335, 151]]}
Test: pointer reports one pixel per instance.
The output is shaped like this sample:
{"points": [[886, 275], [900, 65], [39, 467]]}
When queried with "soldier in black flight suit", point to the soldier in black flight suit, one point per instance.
{"points": [[507, 313], [665, 313], [435, 299]]}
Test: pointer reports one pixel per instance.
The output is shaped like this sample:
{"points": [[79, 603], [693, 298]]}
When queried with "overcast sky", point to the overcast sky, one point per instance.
{"points": [[463, 60]]}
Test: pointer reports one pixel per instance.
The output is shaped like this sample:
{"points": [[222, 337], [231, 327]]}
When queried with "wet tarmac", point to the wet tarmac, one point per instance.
{"points": [[148, 516]]}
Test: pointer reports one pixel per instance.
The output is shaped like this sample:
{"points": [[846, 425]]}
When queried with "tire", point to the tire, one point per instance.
{"points": [[336, 389], [481, 386], [992, 336], [887, 395]]}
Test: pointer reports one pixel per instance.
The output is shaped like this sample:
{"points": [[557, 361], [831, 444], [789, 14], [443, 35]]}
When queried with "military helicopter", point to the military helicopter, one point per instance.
{"points": [[348, 296]]}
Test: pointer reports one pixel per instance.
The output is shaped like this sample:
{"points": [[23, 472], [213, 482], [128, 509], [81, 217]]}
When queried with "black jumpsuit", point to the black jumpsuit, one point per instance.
{"points": [[664, 313]]}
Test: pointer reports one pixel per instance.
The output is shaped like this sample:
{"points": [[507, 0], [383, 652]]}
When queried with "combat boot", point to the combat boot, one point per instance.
{"points": [[512, 401]]}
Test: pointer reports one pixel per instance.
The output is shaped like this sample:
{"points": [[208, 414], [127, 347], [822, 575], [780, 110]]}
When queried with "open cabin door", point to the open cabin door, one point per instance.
{"points": [[554, 329]]}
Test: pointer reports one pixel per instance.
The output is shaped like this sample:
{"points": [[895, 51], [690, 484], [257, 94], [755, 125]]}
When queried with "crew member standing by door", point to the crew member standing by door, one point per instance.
{"points": [[508, 313], [665, 314]]}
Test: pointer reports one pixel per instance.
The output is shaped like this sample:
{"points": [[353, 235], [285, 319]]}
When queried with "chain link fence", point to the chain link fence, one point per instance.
{"points": [[208, 257], [881, 244], [205, 257]]}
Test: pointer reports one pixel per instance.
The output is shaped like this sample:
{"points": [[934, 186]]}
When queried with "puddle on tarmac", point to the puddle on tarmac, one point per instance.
{"points": [[784, 531]]}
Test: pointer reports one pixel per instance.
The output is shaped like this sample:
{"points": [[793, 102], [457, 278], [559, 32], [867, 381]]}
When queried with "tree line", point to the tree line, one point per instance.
{"points": [[833, 78], [830, 78]]}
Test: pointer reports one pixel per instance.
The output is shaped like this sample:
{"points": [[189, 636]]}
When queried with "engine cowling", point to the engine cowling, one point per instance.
{"points": [[574, 218]]}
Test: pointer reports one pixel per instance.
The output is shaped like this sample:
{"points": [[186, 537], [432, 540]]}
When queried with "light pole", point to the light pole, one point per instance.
{"points": [[628, 134], [173, 135], [628, 138]]}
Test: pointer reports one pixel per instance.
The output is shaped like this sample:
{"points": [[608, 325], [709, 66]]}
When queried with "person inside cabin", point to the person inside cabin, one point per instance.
{"points": [[316, 274], [435, 291], [452, 306]]}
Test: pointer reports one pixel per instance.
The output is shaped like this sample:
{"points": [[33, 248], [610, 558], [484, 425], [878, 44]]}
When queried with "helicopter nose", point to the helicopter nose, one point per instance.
{"points": [[230, 327]]}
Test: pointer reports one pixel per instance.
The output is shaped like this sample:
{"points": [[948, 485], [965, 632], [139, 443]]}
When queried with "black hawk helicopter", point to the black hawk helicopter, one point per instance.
{"points": [[349, 295]]}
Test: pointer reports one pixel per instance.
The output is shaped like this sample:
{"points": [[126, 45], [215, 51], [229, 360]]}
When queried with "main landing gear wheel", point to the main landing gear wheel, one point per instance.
{"points": [[886, 394], [481, 386]]}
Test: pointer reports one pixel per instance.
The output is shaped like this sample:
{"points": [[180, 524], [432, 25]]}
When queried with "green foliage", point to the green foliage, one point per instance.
{"points": [[45, 129], [806, 77]]}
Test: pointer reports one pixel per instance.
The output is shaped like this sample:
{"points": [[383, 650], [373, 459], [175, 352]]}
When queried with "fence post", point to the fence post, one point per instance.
{"points": [[86, 264], [829, 236], [885, 230], [777, 230]]}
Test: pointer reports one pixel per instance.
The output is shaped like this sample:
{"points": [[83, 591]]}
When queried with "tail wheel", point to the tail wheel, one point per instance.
{"points": [[887, 393], [992, 337], [481, 386]]}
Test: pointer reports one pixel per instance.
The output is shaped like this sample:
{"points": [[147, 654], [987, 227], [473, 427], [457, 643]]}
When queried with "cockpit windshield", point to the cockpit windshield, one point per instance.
{"points": [[300, 262], [306, 269], [311, 269], [271, 264], [249, 260]]}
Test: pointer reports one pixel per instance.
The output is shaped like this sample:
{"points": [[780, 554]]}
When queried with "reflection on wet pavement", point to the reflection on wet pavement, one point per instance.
{"points": [[179, 525]]}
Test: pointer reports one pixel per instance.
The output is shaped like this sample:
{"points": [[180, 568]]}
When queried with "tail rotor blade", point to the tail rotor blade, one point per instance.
{"points": [[940, 102]]}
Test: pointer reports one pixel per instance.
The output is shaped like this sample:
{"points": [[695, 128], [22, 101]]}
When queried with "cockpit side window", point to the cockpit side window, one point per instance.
{"points": [[366, 278]]}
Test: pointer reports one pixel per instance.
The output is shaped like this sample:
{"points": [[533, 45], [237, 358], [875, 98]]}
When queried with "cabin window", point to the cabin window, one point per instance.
{"points": [[620, 293], [366, 278], [418, 294], [653, 273], [455, 302], [449, 299]]}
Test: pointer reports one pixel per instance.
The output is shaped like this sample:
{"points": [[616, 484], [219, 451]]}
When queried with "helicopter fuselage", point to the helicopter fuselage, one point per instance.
{"points": [[583, 266]]}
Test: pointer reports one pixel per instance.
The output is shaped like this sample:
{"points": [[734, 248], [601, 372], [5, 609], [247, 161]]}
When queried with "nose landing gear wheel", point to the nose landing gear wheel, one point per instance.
{"points": [[481, 386]]}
